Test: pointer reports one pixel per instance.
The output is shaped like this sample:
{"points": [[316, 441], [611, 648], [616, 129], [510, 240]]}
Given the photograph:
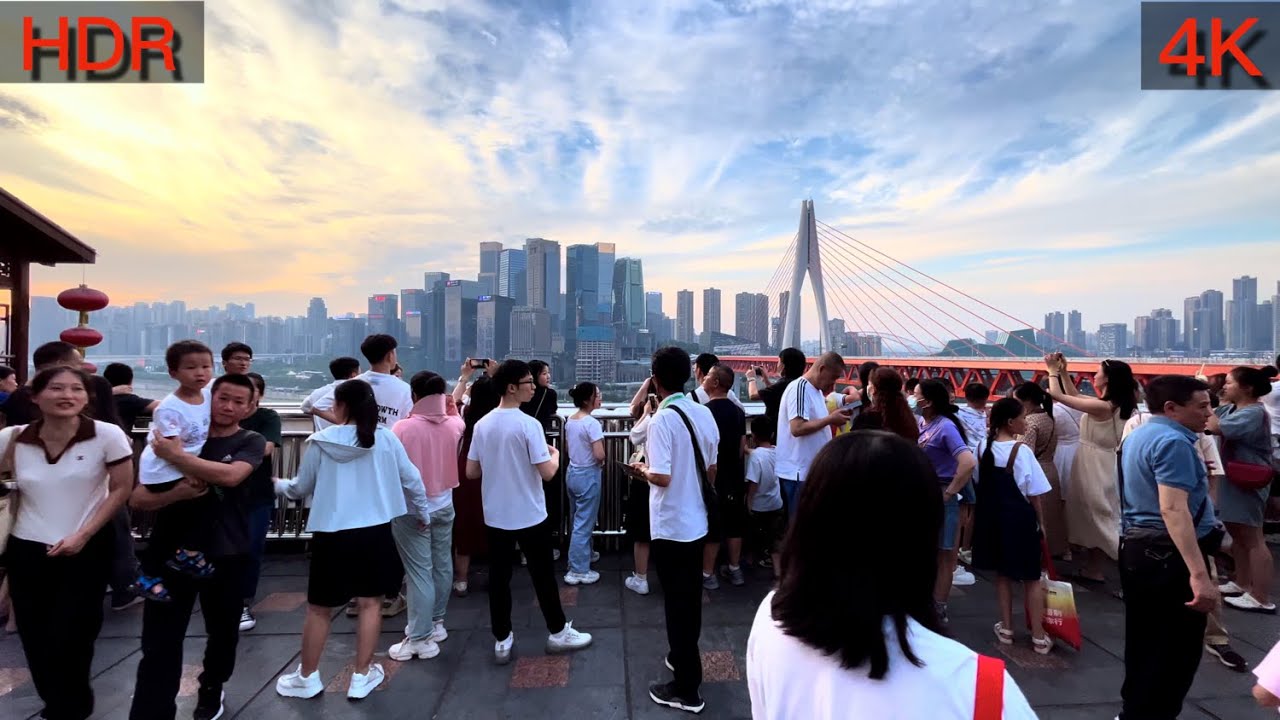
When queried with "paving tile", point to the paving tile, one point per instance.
{"points": [[189, 684], [342, 681], [540, 672], [280, 602], [719, 666]]}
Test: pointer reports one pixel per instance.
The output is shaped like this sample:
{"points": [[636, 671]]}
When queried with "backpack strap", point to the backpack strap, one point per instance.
{"points": [[1013, 456], [988, 702]]}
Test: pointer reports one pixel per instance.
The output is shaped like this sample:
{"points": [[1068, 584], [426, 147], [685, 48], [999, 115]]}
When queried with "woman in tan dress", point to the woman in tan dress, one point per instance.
{"points": [[1042, 437], [1093, 496]]}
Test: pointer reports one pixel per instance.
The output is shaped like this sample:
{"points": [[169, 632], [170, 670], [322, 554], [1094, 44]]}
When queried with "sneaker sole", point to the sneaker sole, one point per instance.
{"points": [[557, 649], [580, 581], [411, 656], [222, 706], [298, 692], [502, 659], [1230, 666], [677, 705], [366, 692], [246, 627]]}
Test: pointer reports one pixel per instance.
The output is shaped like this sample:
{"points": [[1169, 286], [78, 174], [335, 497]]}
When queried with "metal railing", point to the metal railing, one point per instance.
{"points": [[289, 521]]}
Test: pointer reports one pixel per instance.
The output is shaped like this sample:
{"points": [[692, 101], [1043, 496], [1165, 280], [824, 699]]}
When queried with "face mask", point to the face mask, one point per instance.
{"points": [[911, 401]]}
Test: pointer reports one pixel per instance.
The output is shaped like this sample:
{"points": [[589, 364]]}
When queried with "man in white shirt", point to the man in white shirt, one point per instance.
{"points": [[509, 449], [804, 424], [395, 399], [1271, 401], [678, 519], [701, 366], [319, 405]]}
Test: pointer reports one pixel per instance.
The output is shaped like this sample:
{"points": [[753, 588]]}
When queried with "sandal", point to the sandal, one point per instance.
{"points": [[151, 588], [1042, 645], [193, 564], [1004, 636]]}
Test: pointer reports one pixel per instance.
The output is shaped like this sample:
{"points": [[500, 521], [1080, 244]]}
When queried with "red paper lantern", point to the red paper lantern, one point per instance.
{"points": [[91, 368], [81, 337], [83, 299]]}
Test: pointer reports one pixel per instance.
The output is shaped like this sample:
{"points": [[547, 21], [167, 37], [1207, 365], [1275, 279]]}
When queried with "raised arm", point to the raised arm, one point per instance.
{"points": [[305, 482]]}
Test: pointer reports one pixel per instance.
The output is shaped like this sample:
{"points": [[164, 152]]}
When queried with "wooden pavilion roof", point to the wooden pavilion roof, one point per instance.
{"points": [[27, 235]]}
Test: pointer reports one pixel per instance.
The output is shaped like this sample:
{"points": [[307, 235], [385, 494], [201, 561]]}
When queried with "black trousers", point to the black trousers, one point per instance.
{"points": [[58, 604], [124, 567], [679, 566], [164, 628], [1163, 638], [536, 543]]}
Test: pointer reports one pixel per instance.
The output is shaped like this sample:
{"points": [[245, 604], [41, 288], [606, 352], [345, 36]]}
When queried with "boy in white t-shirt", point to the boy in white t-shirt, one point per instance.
{"points": [[764, 495], [183, 413]]}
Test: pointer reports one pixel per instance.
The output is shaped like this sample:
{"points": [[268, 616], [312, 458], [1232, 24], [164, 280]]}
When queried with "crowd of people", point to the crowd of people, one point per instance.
{"points": [[408, 481]]}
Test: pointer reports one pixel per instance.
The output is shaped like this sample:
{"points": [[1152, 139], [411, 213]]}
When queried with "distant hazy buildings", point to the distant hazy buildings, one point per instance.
{"points": [[684, 316]]}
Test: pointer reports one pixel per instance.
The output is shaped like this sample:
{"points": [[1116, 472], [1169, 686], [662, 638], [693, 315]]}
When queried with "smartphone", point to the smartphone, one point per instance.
{"points": [[850, 403], [759, 372], [480, 363], [629, 471], [653, 399]]}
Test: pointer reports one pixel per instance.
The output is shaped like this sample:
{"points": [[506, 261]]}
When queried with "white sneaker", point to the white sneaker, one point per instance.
{"points": [[963, 577], [637, 584], [1248, 603], [409, 649], [595, 556], [567, 639], [585, 578], [502, 649], [247, 620], [297, 685], [1230, 588], [362, 685], [438, 633]]}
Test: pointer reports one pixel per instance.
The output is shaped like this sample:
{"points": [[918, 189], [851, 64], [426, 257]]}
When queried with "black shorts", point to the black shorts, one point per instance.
{"points": [[769, 528], [636, 517], [361, 562], [732, 506]]}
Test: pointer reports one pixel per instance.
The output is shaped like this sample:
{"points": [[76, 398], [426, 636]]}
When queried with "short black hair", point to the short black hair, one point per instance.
{"points": [[911, 384], [236, 347], [670, 368], [705, 362], [976, 392], [764, 428], [865, 370], [1176, 389], [259, 383], [376, 348], [536, 367], [509, 373], [723, 374], [117, 374], [843, 614], [342, 368], [233, 379], [793, 362], [425, 383], [175, 353], [5, 372], [1253, 380], [53, 353]]}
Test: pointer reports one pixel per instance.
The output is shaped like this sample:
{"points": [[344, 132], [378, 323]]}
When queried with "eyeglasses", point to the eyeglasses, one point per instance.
{"points": [[527, 382]]}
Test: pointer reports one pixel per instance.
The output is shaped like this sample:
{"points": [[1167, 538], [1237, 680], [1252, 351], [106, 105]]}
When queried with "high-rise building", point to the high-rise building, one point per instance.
{"points": [[1075, 331], [581, 285], [530, 333], [628, 293], [711, 310], [460, 320], [684, 316], [513, 276], [751, 317], [317, 326], [597, 357], [652, 302], [1215, 327], [1263, 327], [1113, 339], [1242, 312], [1189, 307], [413, 301], [493, 326], [434, 280], [488, 275], [1275, 320], [607, 254], [384, 316], [1055, 330], [543, 258]]}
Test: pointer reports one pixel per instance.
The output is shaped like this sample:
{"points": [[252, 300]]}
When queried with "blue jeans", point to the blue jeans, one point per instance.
{"points": [[428, 568], [950, 523], [790, 495], [584, 492], [259, 523]]}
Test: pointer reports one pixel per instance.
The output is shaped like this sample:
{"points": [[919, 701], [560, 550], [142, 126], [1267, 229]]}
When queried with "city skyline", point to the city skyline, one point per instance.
{"points": [[1049, 185]]}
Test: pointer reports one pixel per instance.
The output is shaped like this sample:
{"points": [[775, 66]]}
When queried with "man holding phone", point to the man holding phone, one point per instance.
{"points": [[791, 363]]}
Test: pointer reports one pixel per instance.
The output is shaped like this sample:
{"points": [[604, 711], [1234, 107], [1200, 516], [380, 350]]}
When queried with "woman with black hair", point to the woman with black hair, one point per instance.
{"points": [[1041, 435], [1093, 496], [1006, 534], [361, 479], [866, 643], [469, 536], [584, 441], [943, 440], [888, 409], [1242, 423]]}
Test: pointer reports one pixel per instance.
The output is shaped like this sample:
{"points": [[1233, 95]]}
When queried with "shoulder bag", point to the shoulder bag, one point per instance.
{"points": [[709, 497]]}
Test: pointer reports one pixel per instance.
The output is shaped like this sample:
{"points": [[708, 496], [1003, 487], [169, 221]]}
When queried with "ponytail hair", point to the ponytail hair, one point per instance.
{"points": [[582, 393], [362, 409], [1003, 412], [1033, 393], [940, 398]]}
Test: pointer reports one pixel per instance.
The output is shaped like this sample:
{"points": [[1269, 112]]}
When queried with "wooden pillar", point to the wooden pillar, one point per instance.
{"points": [[20, 315]]}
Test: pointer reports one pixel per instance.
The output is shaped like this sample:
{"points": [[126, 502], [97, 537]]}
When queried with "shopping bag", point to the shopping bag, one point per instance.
{"points": [[1061, 620]]}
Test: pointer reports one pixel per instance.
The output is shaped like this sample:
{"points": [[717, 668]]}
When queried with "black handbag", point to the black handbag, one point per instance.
{"points": [[709, 497]]}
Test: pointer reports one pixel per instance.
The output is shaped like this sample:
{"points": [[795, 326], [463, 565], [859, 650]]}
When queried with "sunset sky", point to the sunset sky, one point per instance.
{"points": [[343, 148]]}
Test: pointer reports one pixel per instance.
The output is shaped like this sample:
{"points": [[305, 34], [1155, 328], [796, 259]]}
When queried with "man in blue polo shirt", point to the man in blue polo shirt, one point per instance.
{"points": [[1168, 525]]}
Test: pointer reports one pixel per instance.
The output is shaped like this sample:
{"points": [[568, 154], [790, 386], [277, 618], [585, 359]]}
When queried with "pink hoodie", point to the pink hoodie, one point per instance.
{"points": [[431, 436]]}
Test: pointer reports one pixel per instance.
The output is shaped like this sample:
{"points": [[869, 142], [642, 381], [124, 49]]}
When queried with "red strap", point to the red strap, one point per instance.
{"points": [[988, 704], [1047, 558]]}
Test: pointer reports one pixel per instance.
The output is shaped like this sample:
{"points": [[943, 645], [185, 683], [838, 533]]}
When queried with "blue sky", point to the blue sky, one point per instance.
{"points": [[343, 148]]}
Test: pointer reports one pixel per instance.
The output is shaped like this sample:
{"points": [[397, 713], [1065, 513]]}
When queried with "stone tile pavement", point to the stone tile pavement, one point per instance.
{"points": [[610, 679]]}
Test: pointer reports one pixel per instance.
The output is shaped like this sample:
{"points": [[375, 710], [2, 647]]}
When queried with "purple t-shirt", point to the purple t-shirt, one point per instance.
{"points": [[941, 442]]}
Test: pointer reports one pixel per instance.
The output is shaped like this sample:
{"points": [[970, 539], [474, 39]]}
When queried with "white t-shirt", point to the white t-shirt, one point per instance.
{"points": [[321, 399], [788, 680], [1027, 472], [1066, 424], [58, 498], [1271, 401], [761, 469], [508, 445], [395, 400], [579, 435], [801, 400], [676, 512], [175, 418]]}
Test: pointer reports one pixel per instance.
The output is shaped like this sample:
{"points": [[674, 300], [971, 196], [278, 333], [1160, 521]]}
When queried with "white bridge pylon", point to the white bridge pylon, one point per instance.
{"points": [[807, 260]]}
